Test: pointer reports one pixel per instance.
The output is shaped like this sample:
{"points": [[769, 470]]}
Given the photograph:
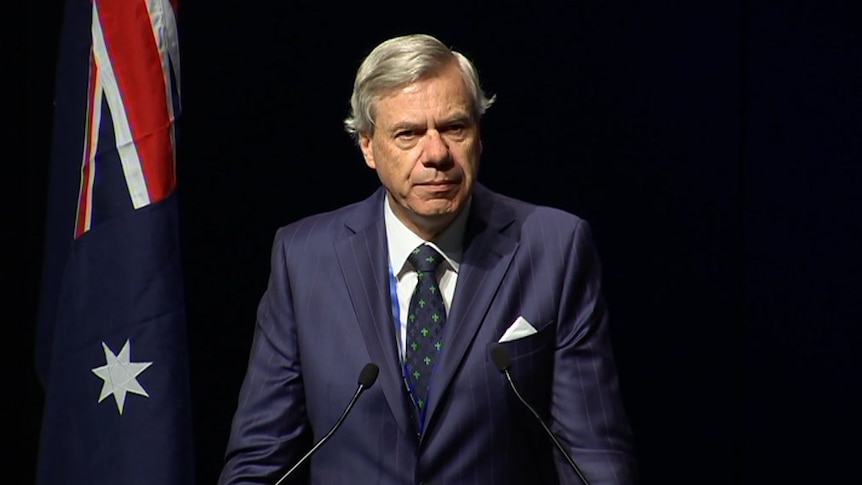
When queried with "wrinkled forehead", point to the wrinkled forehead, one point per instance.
{"points": [[445, 85]]}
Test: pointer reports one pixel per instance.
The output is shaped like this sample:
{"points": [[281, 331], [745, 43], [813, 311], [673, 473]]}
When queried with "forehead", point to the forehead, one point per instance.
{"points": [[441, 94]]}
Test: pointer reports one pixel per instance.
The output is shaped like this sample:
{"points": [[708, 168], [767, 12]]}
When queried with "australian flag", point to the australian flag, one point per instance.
{"points": [[111, 346]]}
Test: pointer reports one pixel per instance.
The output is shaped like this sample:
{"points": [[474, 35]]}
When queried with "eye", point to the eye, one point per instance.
{"points": [[455, 130], [406, 138]]}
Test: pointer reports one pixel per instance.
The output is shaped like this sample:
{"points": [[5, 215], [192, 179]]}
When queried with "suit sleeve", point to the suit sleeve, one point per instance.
{"points": [[587, 412], [270, 431]]}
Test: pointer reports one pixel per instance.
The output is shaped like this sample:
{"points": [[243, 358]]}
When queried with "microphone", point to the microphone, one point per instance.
{"points": [[502, 360], [366, 379]]}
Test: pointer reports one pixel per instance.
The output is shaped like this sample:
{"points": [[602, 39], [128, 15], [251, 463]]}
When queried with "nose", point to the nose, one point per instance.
{"points": [[435, 150]]}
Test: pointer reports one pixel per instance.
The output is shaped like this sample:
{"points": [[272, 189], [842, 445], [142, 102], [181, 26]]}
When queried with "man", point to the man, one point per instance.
{"points": [[346, 289]]}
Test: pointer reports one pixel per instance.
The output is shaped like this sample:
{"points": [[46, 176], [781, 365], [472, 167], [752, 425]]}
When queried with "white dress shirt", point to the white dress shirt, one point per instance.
{"points": [[401, 241]]}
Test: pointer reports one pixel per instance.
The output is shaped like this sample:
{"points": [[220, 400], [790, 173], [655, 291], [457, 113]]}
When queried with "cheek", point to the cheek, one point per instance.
{"points": [[468, 157], [396, 167]]}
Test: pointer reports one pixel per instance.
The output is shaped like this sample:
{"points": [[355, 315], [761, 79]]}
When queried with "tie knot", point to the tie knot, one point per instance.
{"points": [[425, 258]]}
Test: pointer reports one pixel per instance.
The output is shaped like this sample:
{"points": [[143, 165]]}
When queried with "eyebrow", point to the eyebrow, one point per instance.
{"points": [[458, 117]]}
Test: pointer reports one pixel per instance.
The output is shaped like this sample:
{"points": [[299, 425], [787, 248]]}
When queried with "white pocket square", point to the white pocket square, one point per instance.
{"points": [[520, 329]]}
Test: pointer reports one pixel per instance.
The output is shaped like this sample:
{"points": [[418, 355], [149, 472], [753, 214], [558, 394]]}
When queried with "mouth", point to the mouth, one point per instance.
{"points": [[438, 183], [439, 188]]}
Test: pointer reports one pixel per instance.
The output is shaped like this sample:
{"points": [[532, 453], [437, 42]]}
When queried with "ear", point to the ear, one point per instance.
{"points": [[366, 144]]}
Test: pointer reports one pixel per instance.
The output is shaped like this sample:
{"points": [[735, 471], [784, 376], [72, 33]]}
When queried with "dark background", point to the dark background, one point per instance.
{"points": [[714, 146]]}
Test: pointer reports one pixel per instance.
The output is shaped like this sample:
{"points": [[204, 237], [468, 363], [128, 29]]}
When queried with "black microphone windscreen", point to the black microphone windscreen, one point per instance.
{"points": [[500, 357], [368, 375]]}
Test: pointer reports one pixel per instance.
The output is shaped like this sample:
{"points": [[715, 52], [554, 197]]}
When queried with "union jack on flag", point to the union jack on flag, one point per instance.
{"points": [[132, 98], [111, 347]]}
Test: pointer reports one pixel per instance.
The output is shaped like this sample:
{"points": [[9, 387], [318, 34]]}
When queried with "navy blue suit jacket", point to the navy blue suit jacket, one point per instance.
{"points": [[327, 312]]}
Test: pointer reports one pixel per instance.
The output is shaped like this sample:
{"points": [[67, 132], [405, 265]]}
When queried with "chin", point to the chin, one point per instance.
{"points": [[439, 209]]}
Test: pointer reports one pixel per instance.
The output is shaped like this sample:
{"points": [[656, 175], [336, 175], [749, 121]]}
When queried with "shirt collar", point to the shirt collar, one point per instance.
{"points": [[402, 240]]}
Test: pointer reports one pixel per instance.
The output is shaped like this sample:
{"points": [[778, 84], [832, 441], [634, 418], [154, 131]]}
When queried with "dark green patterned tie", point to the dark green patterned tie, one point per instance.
{"points": [[425, 320]]}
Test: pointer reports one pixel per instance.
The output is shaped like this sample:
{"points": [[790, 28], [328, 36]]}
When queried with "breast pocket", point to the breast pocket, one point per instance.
{"points": [[531, 363], [522, 348]]}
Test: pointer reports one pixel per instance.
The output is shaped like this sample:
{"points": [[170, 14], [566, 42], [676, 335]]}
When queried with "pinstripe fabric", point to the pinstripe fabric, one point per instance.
{"points": [[328, 290]]}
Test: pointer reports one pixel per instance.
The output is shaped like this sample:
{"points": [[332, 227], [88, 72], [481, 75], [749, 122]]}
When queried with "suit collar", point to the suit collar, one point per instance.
{"points": [[364, 265], [487, 252]]}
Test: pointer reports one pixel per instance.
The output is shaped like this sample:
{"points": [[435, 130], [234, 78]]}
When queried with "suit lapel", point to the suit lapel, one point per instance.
{"points": [[487, 255], [364, 262]]}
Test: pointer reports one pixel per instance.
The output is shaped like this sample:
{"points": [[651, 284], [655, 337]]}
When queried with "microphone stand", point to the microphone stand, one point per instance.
{"points": [[366, 380]]}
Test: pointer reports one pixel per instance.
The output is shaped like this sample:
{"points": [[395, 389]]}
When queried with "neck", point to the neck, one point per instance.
{"points": [[426, 227]]}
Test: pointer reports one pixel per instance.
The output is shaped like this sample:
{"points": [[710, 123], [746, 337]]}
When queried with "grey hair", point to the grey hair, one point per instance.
{"points": [[401, 61]]}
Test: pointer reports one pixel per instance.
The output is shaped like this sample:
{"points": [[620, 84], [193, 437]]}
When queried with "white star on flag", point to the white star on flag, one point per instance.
{"points": [[120, 375]]}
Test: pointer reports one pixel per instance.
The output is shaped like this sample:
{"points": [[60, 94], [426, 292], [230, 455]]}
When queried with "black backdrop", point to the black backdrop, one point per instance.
{"points": [[714, 146]]}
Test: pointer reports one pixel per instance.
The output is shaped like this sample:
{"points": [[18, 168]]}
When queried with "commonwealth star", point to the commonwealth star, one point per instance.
{"points": [[120, 375]]}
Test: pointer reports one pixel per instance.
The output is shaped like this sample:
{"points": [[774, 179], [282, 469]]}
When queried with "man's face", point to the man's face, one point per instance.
{"points": [[425, 149]]}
